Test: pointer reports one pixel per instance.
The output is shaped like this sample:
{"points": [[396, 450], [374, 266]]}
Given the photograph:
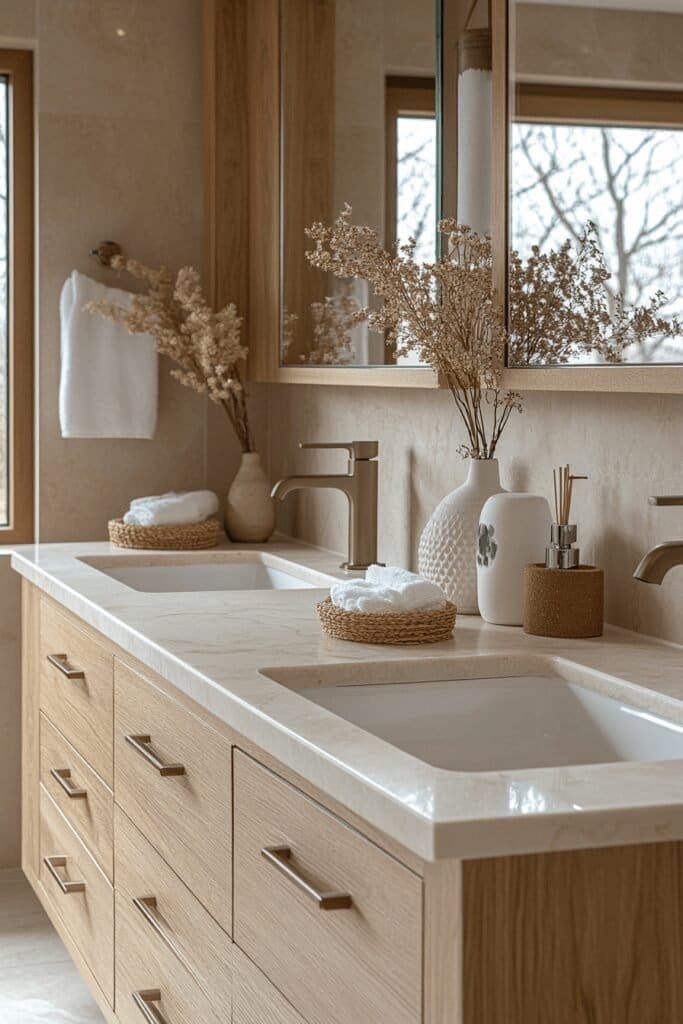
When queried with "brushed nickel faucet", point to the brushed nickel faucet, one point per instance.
{"points": [[359, 485], [654, 566]]}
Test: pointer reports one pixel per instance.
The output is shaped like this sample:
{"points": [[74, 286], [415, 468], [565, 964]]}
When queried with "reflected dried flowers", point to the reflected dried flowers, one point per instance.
{"points": [[561, 306], [443, 311]]}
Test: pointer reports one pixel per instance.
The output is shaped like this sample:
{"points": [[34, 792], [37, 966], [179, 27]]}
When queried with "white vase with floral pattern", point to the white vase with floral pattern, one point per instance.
{"points": [[448, 546]]}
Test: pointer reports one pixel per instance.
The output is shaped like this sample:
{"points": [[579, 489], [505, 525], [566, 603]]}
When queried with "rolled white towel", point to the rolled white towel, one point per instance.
{"points": [[172, 508], [362, 596], [414, 592], [151, 498], [387, 590]]}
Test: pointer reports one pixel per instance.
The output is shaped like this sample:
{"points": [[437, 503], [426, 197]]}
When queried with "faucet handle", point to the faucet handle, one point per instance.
{"points": [[361, 450], [665, 499]]}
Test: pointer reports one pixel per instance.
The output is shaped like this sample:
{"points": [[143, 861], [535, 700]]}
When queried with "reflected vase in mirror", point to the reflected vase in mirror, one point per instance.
{"points": [[448, 546], [249, 508]]}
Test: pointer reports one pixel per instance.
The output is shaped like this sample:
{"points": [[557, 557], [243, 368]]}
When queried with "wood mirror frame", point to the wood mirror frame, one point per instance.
{"points": [[242, 185]]}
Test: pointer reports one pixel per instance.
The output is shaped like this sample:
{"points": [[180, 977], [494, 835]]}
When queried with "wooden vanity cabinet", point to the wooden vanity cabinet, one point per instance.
{"points": [[193, 878]]}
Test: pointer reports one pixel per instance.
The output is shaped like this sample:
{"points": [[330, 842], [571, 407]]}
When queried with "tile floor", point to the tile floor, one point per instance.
{"points": [[38, 982]]}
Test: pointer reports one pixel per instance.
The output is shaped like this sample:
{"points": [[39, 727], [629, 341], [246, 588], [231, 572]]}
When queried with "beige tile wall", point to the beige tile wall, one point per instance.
{"points": [[628, 444], [119, 156]]}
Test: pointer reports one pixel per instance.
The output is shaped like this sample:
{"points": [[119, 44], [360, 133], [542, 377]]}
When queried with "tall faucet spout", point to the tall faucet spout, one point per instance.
{"points": [[295, 483], [658, 561]]}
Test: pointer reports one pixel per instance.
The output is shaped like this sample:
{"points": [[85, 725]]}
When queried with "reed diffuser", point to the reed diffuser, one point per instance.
{"points": [[561, 553], [558, 602]]}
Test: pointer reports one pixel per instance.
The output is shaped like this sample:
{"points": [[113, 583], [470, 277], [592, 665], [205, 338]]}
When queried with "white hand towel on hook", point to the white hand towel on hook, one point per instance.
{"points": [[108, 384]]}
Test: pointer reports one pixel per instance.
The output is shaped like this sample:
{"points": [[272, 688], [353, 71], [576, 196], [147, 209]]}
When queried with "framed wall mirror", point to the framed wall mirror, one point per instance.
{"points": [[594, 156], [555, 124]]}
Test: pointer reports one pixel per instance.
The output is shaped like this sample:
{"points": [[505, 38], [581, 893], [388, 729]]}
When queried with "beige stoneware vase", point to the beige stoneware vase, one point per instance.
{"points": [[249, 508]]}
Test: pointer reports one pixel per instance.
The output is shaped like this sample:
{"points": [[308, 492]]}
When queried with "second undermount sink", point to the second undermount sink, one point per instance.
{"points": [[499, 723], [207, 571]]}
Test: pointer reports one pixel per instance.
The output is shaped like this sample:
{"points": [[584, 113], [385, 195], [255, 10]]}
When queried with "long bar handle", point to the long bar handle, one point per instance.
{"points": [[145, 1000], [666, 499], [280, 856], [141, 744], [147, 905], [52, 864], [63, 777], [62, 664]]}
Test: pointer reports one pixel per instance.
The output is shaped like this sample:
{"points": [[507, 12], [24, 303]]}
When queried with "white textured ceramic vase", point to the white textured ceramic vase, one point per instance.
{"points": [[514, 530], [249, 508], [448, 546]]}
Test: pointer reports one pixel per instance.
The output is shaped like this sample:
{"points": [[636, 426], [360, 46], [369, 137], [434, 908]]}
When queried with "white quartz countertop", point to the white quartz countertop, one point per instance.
{"points": [[215, 647]]}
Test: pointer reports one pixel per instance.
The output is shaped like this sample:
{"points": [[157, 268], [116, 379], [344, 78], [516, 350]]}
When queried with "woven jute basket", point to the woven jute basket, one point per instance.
{"points": [[419, 627], [180, 537]]}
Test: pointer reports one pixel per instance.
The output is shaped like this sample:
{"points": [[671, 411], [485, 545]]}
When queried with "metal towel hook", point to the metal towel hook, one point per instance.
{"points": [[105, 252]]}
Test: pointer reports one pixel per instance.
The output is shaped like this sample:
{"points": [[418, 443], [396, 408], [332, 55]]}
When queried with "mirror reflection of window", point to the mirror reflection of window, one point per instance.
{"points": [[596, 139], [411, 164], [411, 173]]}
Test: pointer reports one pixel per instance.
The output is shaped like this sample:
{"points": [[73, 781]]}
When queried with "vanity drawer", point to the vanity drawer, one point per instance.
{"points": [[88, 912], [338, 965], [150, 977], [169, 914], [173, 782], [80, 794], [77, 687], [255, 1000]]}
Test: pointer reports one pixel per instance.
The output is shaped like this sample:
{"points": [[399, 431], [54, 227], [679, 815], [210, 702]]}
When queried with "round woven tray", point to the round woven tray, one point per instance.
{"points": [[180, 537], [420, 627]]}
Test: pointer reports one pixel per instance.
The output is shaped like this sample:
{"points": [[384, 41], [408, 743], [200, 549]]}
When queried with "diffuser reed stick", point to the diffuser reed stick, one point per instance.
{"points": [[563, 488]]}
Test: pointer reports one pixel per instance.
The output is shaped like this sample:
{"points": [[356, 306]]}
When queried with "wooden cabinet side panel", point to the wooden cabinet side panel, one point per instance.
{"points": [[30, 730], [583, 937], [442, 943]]}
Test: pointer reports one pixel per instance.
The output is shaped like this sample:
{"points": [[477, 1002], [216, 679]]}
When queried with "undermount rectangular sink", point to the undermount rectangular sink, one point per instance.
{"points": [[502, 723], [207, 571]]}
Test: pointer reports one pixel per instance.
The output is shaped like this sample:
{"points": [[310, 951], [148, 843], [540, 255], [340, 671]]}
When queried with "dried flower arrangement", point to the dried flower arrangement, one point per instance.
{"points": [[205, 346], [560, 307], [444, 311], [333, 321]]}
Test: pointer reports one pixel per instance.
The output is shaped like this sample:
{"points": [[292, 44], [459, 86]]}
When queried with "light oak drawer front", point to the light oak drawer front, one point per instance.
{"points": [[152, 984], [342, 965], [169, 914], [77, 687], [173, 782], [80, 794], [255, 1000], [87, 906]]}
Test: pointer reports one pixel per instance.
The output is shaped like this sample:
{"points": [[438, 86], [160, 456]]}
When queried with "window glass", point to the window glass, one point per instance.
{"points": [[4, 298]]}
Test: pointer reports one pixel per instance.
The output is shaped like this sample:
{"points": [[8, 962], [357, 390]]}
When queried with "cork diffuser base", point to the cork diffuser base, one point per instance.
{"points": [[563, 602]]}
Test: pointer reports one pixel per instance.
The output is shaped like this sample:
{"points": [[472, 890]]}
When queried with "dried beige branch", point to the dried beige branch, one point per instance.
{"points": [[205, 346]]}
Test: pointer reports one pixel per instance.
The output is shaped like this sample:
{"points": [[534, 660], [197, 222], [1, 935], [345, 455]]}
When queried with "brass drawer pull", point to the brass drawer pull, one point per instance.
{"points": [[280, 856], [62, 664], [147, 906], [52, 863], [141, 744], [63, 777], [145, 1000]]}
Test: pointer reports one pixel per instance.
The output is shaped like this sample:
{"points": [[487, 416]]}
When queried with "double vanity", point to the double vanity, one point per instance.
{"points": [[229, 816]]}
